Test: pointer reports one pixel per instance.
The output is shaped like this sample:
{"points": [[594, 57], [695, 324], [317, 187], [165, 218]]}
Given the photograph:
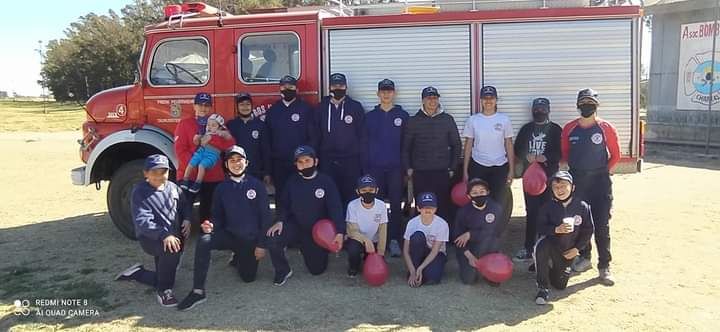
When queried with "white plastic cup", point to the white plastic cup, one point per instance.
{"points": [[571, 222]]}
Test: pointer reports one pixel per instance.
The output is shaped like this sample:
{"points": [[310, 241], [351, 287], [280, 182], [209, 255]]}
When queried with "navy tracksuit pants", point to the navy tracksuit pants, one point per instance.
{"points": [[433, 273], [595, 188], [390, 183], [532, 208], [314, 256], [551, 266], [221, 239], [165, 265], [345, 172], [468, 274]]}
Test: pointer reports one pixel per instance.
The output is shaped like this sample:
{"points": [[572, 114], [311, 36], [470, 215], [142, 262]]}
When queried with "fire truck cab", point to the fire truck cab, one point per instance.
{"points": [[525, 53]]}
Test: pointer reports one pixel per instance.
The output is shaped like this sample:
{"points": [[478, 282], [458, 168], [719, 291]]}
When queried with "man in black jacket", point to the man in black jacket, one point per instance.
{"points": [[431, 150], [537, 141], [565, 226]]}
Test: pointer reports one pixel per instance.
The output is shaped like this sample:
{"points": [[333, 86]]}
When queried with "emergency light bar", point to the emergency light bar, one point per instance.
{"points": [[197, 8]]}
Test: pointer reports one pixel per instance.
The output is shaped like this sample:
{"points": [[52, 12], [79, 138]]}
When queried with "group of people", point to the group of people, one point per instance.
{"points": [[340, 163]]}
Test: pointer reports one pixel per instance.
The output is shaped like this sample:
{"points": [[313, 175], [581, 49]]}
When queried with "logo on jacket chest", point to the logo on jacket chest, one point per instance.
{"points": [[398, 122], [348, 119], [255, 134], [295, 117], [490, 218], [578, 220], [596, 138], [251, 194], [319, 192]]}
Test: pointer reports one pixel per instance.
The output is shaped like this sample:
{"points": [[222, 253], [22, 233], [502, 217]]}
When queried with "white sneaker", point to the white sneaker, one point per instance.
{"points": [[581, 264], [127, 273], [606, 278]]}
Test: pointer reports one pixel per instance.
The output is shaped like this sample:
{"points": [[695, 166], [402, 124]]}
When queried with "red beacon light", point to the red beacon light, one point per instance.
{"points": [[172, 10]]}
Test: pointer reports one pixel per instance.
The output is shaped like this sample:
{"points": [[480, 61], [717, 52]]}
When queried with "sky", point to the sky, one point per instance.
{"points": [[21, 31]]}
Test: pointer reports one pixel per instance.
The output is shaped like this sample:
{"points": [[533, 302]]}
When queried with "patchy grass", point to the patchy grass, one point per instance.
{"points": [[31, 116]]}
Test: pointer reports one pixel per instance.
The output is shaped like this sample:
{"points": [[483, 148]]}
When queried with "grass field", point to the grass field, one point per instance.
{"points": [[30, 116]]}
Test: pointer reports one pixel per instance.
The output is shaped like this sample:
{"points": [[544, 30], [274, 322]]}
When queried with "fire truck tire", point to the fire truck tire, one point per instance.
{"points": [[118, 196]]}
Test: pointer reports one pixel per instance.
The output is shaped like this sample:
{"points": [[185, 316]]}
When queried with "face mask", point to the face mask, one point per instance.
{"points": [[288, 94], [479, 200], [539, 117], [338, 93], [368, 198], [587, 110], [307, 172]]}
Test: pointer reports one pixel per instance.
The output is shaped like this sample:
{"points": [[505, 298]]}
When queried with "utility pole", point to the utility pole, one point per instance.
{"points": [[40, 51], [711, 78]]}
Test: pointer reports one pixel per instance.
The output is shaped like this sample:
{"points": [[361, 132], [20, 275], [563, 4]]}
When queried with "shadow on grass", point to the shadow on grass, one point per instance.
{"points": [[77, 258]]}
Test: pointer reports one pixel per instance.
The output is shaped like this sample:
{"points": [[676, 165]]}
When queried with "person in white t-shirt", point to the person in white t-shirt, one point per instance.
{"points": [[488, 153], [367, 221], [426, 237]]}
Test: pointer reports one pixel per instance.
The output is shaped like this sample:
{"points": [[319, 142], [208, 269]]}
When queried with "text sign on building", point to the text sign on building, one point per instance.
{"points": [[695, 67]]}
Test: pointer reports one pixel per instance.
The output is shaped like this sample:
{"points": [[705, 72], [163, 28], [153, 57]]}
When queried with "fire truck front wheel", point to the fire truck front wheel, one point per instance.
{"points": [[118, 195]]}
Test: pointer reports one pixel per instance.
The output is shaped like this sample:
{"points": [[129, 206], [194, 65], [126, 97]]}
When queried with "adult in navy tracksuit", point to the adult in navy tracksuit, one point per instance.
{"points": [[240, 219], [590, 147], [537, 141], [289, 123], [340, 137], [565, 226], [308, 196], [158, 207], [475, 229], [251, 134], [384, 125]]}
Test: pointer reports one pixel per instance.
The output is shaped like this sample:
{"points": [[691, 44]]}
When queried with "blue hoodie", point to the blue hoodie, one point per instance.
{"points": [[384, 135], [340, 131], [242, 208], [158, 213]]}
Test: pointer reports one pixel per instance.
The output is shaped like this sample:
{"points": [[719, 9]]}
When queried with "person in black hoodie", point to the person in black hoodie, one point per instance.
{"points": [[308, 197], [565, 226], [538, 140], [431, 150], [240, 217], [340, 137]]}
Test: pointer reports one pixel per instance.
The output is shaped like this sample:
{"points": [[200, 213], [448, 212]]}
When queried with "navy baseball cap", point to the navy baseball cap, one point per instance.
{"points": [[338, 78], [386, 84], [562, 175], [287, 79], [156, 161], [430, 91], [588, 94], [304, 150], [366, 181], [203, 98], [488, 91], [541, 104], [426, 200], [235, 149], [243, 96]]}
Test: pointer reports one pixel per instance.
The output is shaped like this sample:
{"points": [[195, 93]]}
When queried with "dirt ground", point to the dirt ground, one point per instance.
{"points": [[57, 242]]}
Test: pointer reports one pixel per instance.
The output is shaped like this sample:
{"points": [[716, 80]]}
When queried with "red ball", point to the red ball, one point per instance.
{"points": [[534, 180], [495, 267], [323, 233], [375, 270], [459, 194]]}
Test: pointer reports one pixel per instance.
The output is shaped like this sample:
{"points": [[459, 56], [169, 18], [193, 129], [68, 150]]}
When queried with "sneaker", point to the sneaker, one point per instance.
{"points": [[127, 274], [282, 279], [234, 261], [395, 248], [352, 273], [184, 184], [542, 296], [192, 300], [523, 255], [195, 187], [581, 264], [606, 278], [167, 299], [531, 268]]}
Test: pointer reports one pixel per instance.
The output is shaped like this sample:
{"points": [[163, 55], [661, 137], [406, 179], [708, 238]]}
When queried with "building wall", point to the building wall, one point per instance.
{"points": [[664, 121]]}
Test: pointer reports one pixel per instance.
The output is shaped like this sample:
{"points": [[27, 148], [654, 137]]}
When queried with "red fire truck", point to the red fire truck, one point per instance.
{"points": [[525, 53]]}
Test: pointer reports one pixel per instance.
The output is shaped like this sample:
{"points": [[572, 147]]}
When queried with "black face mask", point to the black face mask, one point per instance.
{"points": [[338, 93], [288, 94], [307, 172], [368, 198], [539, 117], [479, 200], [587, 110]]}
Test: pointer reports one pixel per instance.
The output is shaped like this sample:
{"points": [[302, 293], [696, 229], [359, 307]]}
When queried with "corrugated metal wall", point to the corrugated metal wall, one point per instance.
{"points": [[555, 60], [412, 57]]}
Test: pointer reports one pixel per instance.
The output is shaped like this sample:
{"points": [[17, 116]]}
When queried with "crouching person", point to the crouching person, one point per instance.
{"points": [[565, 226], [240, 217], [157, 206], [475, 225], [367, 221], [424, 249]]}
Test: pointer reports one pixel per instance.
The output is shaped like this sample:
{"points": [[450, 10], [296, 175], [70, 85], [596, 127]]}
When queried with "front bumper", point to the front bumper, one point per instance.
{"points": [[78, 176]]}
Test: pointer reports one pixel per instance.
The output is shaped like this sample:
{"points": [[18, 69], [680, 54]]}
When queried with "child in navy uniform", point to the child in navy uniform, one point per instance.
{"points": [[367, 222], [475, 229], [565, 226], [158, 206], [426, 237], [308, 196]]}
